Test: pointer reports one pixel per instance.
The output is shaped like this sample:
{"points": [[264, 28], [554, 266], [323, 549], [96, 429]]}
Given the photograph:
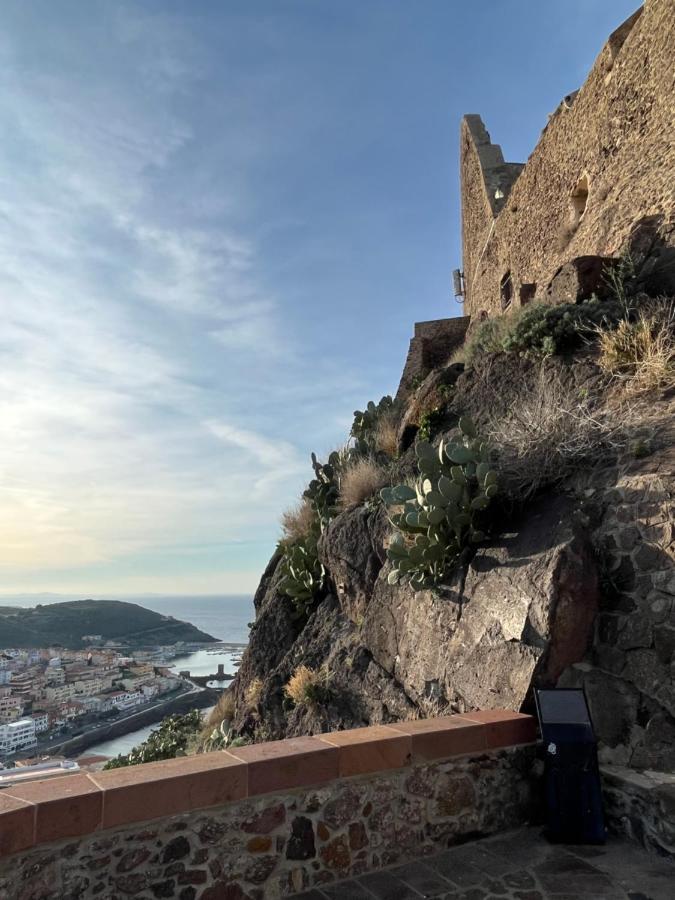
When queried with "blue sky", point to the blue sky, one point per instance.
{"points": [[218, 223]]}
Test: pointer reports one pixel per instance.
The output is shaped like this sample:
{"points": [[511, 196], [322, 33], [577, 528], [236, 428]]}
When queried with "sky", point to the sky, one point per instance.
{"points": [[219, 221]]}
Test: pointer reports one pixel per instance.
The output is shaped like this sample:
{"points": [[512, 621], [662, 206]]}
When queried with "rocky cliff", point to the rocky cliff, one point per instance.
{"points": [[574, 585]]}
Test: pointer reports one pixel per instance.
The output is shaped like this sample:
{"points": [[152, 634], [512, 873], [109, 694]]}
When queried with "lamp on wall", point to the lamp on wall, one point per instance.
{"points": [[458, 282]]}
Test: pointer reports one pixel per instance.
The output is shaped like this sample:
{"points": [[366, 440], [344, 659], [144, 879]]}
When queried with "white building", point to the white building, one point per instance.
{"points": [[19, 735], [129, 699], [37, 772], [150, 690], [41, 719]]}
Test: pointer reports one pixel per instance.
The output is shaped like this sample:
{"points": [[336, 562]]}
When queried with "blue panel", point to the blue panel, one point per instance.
{"points": [[563, 707]]}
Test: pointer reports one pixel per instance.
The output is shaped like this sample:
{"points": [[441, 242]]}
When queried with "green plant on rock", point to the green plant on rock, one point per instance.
{"points": [[487, 336], [544, 330], [170, 739], [303, 575], [640, 449], [222, 737], [323, 491], [439, 517], [429, 423], [364, 427], [620, 278]]}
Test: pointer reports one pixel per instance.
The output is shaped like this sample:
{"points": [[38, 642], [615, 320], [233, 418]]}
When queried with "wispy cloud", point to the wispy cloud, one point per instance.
{"points": [[274, 461], [169, 352], [113, 440]]}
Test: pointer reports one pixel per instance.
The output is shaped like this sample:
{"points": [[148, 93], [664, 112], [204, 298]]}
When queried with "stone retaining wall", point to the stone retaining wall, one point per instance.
{"points": [[432, 344], [629, 673], [641, 806], [267, 820]]}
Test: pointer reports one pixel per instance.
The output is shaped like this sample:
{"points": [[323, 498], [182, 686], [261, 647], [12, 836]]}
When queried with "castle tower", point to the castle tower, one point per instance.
{"points": [[599, 179]]}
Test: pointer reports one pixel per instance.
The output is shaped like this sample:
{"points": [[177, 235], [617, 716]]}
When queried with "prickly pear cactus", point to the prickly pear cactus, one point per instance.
{"points": [[365, 423], [303, 575], [437, 518], [323, 491]]}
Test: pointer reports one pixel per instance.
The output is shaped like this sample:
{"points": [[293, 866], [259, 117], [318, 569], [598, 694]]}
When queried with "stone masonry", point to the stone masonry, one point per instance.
{"points": [[432, 345], [641, 806], [603, 164], [629, 673], [276, 845]]}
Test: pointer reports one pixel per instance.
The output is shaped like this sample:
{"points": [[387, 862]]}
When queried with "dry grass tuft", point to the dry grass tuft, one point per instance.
{"points": [[386, 436], [549, 430], [641, 353], [458, 355], [428, 708], [360, 481], [222, 711], [297, 522], [305, 685], [253, 693]]}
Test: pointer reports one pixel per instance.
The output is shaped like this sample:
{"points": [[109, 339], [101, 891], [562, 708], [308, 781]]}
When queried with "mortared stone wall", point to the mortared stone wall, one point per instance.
{"points": [[603, 164]]}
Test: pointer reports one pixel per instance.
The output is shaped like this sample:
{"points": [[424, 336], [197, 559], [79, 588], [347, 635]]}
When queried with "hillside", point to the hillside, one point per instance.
{"points": [[65, 623], [505, 523]]}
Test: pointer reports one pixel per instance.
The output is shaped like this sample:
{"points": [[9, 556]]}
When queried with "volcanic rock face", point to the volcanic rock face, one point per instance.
{"points": [[352, 550], [523, 610], [520, 613], [577, 590]]}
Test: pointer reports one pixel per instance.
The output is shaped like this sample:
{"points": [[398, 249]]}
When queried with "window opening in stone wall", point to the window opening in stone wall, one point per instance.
{"points": [[527, 292], [579, 201], [506, 290]]}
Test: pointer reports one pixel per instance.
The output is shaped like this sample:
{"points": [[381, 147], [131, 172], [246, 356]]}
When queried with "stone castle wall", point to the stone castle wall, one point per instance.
{"points": [[432, 345], [604, 162]]}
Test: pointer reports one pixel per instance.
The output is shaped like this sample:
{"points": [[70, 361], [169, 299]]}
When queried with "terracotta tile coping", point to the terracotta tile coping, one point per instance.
{"points": [[73, 805]]}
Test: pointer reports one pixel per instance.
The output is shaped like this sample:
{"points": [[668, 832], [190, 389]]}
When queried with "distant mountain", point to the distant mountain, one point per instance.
{"points": [[66, 623]]}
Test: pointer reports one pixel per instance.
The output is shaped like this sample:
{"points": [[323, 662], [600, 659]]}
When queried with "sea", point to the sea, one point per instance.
{"points": [[224, 617]]}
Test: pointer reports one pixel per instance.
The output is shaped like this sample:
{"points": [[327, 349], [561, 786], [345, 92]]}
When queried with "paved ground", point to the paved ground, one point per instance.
{"points": [[520, 865]]}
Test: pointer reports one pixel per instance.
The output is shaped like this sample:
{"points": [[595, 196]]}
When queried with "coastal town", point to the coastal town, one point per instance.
{"points": [[53, 693]]}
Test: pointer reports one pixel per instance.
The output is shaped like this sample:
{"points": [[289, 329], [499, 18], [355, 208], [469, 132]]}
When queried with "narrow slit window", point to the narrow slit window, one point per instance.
{"points": [[506, 290]]}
